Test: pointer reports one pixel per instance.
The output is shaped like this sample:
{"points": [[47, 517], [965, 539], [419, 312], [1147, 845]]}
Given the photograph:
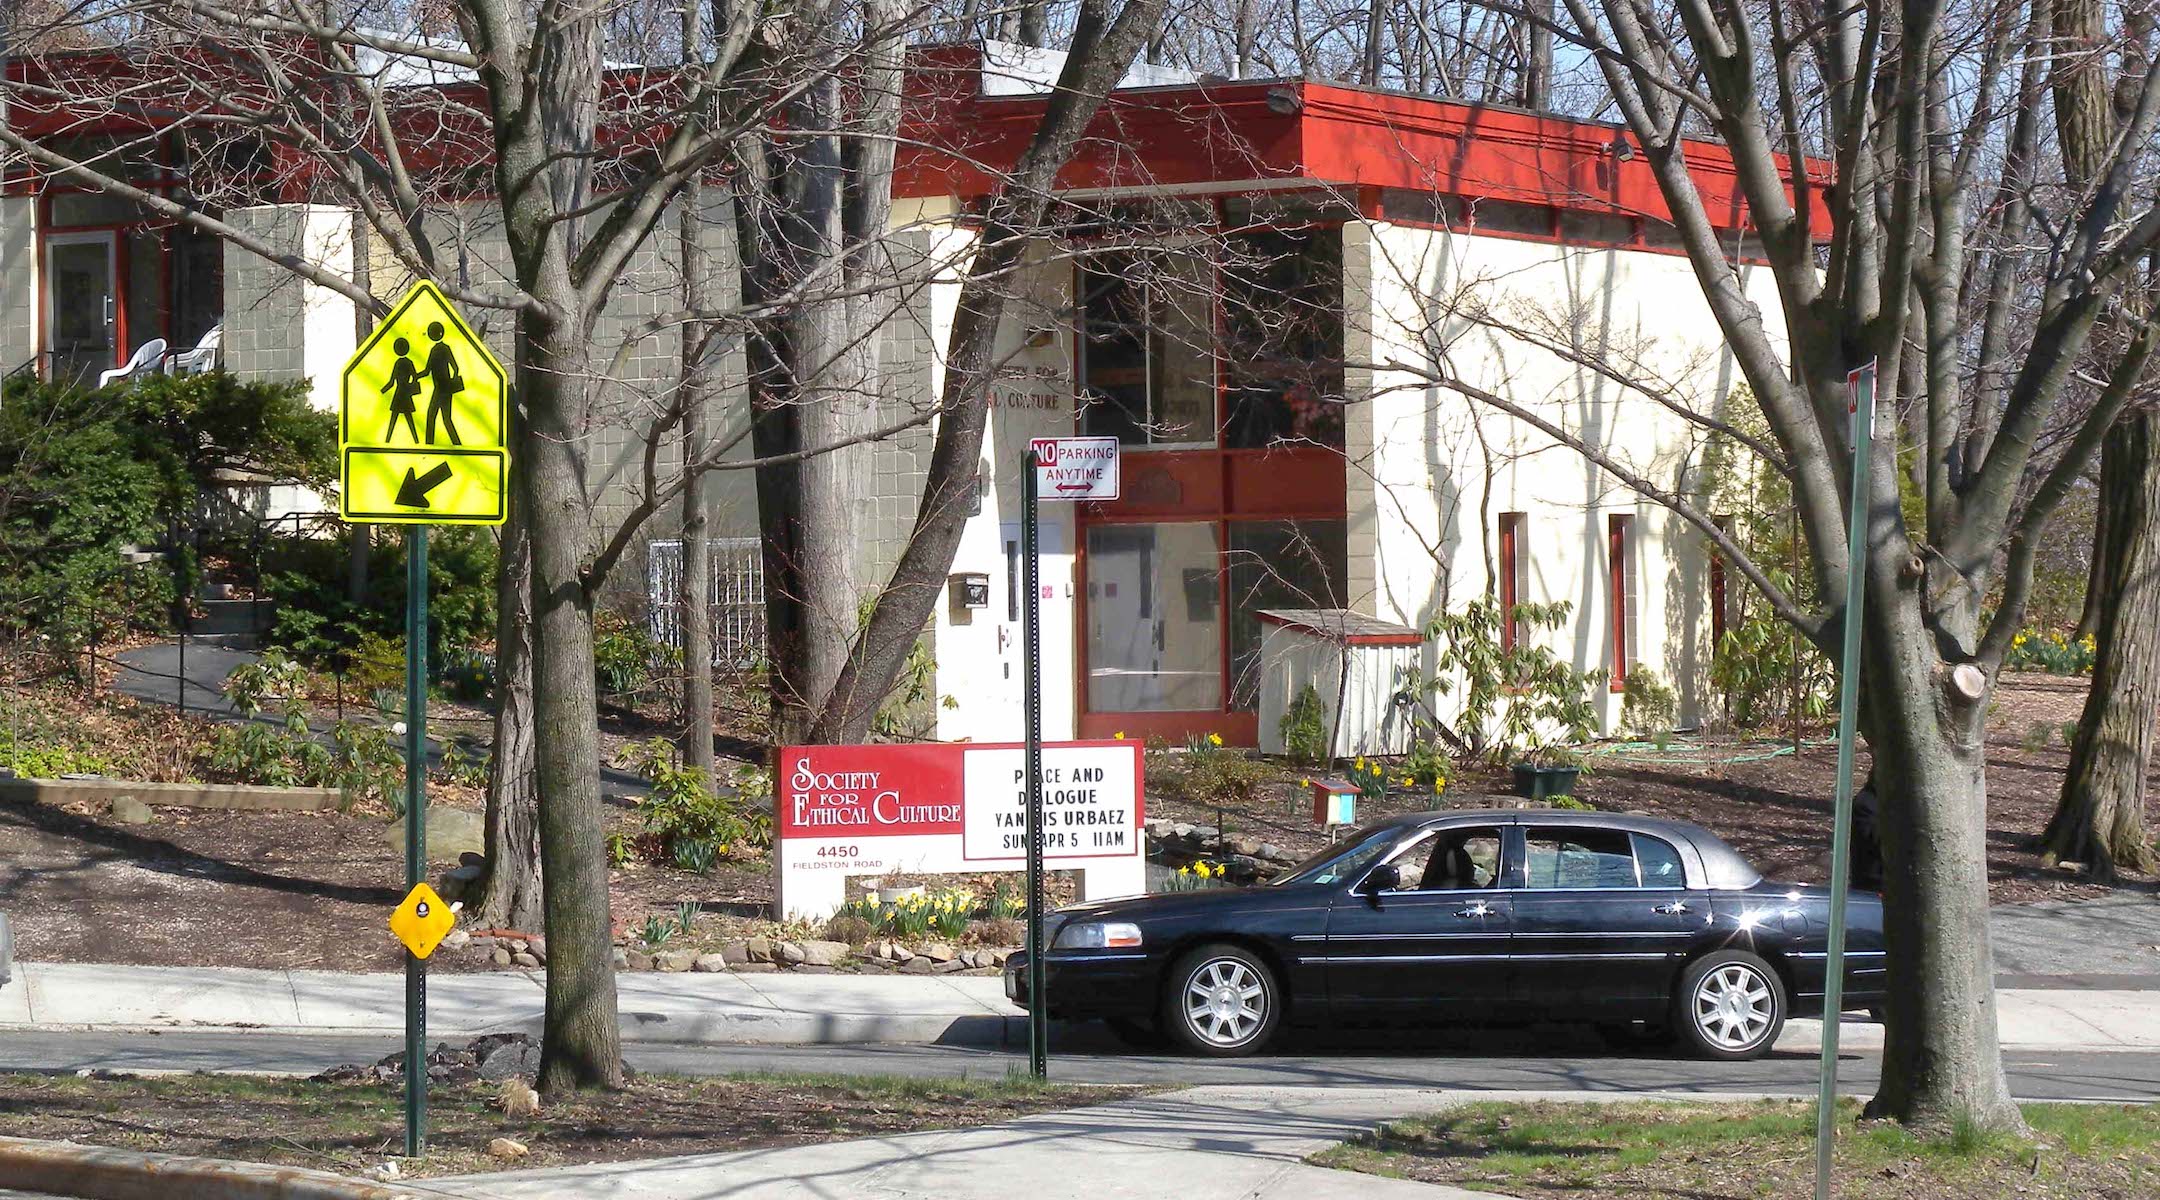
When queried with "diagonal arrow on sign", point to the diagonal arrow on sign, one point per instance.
{"points": [[413, 492]]}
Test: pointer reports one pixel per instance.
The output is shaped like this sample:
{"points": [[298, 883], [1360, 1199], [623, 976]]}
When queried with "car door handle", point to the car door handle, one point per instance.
{"points": [[1475, 910], [1671, 910]]}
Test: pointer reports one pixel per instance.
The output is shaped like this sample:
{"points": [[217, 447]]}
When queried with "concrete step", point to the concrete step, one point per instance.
{"points": [[233, 617]]}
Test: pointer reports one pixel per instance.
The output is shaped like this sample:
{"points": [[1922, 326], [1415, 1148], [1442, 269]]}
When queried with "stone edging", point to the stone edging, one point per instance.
{"points": [[96, 1173], [234, 796]]}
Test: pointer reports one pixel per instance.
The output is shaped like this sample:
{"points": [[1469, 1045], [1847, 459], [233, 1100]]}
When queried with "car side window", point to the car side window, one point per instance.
{"points": [[1658, 861], [1580, 858], [1452, 860], [1414, 862]]}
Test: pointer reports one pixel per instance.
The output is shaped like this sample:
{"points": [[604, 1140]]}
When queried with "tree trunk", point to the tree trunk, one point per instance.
{"points": [[2100, 820], [696, 595], [1942, 1062], [581, 1043], [510, 895]]}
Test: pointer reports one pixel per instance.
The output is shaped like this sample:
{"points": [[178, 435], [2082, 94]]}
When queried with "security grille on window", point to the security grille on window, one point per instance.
{"points": [[737, 598]]}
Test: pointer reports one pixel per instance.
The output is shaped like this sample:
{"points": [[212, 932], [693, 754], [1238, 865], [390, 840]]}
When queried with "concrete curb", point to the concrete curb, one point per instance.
{"points": [[95, 1173], [789, 1029], [228, 796]]}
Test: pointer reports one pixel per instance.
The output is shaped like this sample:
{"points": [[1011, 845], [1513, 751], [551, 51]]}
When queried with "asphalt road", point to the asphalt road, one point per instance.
{"points": [[1499, 1060]]}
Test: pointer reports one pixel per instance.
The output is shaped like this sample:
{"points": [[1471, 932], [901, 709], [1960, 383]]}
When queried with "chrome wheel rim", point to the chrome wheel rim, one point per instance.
{"points": [[1733, 1007], [1225, 1002]]}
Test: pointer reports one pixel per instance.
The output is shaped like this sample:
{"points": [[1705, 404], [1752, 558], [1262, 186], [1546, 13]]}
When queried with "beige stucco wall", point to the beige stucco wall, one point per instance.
{"points": [[1432, 470]]}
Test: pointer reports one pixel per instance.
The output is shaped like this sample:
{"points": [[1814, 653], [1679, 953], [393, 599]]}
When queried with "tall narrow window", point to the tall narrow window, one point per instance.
{"points": [[1720, 614], [1510, 572], [1620, 601]]}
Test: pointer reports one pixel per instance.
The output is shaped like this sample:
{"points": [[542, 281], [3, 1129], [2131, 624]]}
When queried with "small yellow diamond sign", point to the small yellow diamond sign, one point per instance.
{"points": [[422, 921], [421, 418]]}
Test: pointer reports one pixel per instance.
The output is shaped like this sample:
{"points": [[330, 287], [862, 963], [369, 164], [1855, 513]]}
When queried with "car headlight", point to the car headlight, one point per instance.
{"points": [[1097, 935]]}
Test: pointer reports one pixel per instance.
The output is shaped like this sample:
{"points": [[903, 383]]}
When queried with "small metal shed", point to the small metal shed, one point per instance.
{"points": [[1356, 662]]}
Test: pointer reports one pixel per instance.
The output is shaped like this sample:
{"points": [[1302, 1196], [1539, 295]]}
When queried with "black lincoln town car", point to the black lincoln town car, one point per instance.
{"points": [[1469, 917]]}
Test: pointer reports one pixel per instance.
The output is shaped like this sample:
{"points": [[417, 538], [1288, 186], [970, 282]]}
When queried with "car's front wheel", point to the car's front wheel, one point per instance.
{"points": [[1729, 1005], [1222, 1000]]}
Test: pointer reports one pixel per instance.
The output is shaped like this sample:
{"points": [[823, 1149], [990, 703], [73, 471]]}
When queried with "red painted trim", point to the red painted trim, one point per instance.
{"points": [[1618, 527], [1355, 639]]}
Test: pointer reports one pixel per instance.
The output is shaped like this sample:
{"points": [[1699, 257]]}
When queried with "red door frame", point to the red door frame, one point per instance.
{"points": [[1305, 483]]}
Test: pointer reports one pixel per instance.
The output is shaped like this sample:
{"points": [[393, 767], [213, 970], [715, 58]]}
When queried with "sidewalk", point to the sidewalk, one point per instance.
{"points": [[1204, 1143], [773, 1009], [777, 1009]]}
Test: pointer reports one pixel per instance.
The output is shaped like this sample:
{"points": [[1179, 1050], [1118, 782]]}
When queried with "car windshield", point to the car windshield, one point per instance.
{"points": [[1344, 860]]}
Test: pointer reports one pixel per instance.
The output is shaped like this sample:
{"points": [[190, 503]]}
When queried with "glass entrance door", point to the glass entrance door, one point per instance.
{"points": [[81, 306], [1154, 618]]}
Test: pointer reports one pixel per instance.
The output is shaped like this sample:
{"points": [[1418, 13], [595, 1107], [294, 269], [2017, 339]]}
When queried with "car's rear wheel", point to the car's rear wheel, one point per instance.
{"points": [[1729, 1005], [1222, 1001]]}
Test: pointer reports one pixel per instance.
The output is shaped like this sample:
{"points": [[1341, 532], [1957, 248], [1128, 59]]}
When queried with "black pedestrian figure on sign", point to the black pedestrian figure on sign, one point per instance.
{"points": [[442, 370], [404, 388]]}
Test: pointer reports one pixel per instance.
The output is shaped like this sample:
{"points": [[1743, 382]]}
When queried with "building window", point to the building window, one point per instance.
{"points": [[1510, 571], [1237, 343], [1147, 363], [736, 599], [1720, 602], [1621, 598], [1283, 339]]}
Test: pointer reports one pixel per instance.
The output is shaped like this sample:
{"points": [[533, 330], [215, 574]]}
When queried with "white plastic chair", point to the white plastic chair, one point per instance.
{"points": [[199, 360], [147, 356]]}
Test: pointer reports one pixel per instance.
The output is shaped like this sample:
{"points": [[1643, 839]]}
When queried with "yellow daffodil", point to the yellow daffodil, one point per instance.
{"points": [[1119, 735], [1214, 739]]}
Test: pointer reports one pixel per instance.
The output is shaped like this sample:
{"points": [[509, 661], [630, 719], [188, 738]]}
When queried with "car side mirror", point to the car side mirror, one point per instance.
{"points": [[1386, 877]]}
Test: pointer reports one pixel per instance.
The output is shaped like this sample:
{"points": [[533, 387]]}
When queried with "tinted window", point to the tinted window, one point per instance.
{"points": [[1580, 858], [1660, 863]]}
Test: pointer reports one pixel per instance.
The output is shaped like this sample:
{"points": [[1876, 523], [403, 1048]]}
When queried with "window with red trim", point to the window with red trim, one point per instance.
{"points": [[1720, 610], [1510, 572], [1621, 593]]}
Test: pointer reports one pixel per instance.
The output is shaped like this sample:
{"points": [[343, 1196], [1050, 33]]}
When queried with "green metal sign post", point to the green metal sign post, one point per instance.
{"points": [[1031, 676], [416, 659], [1861, 385]]}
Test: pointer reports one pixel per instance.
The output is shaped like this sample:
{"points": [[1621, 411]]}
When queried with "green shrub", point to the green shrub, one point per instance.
{"points": [[682, 811], [1426, 766], [1304, 728], [1208, 772], [319, 622], [625, 656], [1648, 707], [1519, 701], [86, 475]]}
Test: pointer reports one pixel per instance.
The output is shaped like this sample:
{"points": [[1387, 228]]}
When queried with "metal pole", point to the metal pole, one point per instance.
{"points": [[1031, 674], [183, 655], [416, 624], [1862, 383]]}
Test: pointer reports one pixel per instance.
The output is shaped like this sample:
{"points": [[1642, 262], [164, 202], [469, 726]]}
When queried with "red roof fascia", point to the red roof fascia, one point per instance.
{"points": [[956, 143]]}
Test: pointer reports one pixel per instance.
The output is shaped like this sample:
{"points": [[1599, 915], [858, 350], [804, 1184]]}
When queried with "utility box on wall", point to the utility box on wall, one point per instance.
{"points": [[1356, 661]]}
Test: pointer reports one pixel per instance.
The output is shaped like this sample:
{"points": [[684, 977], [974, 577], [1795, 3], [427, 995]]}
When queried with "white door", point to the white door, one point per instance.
{"points": [[1058, 660]]}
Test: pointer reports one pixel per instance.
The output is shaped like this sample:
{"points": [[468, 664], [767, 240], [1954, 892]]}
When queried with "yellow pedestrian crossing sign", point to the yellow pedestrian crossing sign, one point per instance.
{"points": [[421, 418], [422, 921]]}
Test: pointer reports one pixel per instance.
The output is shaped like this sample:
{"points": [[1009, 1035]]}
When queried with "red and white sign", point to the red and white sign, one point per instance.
{"points": [[943, 807], [1075, 468]]}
